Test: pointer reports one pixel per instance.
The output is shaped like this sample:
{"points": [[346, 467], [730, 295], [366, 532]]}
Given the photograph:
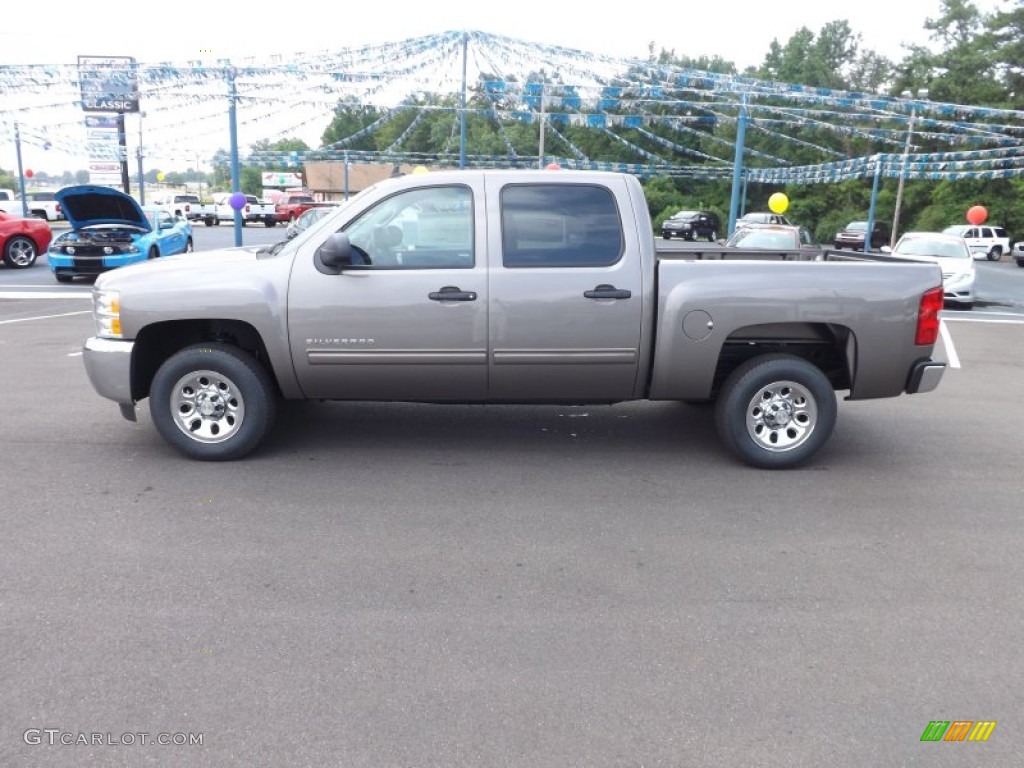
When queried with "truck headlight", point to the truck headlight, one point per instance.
{"points": [[106, 309]]}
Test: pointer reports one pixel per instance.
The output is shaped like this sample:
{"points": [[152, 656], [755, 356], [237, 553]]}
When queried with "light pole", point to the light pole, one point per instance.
{"points": [[138, 152], [921, 94]]}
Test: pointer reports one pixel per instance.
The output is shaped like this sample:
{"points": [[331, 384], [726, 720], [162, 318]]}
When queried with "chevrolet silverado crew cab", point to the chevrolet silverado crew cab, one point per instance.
{"points": [[508, 286]]}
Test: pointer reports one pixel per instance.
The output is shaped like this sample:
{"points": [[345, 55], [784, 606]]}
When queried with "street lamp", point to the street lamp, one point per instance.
{"points": [[922, 93]]}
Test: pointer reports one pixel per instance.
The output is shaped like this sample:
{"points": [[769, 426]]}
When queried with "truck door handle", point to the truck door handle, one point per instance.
{"points": [[605, 291], [452, 293]]}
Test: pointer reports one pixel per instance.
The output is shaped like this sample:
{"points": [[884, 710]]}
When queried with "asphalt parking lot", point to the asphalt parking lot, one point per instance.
{"points": [[440, 585]]}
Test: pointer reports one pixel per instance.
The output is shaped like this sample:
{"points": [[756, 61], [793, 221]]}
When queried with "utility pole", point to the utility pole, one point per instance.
{"points": [[543, 120], [737, 169], [462, 130], [138, 153], [922, 94], [21, 172], [236, 185], [122, 142]]}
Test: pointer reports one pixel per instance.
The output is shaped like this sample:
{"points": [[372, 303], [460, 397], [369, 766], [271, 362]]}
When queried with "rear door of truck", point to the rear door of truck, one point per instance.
{"points": [[566, 290]]}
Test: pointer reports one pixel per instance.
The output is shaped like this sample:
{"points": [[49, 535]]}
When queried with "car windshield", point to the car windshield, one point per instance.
{"points": [[957, 229], [927, 246], [857, 226], [764, 238], [684, 215]]}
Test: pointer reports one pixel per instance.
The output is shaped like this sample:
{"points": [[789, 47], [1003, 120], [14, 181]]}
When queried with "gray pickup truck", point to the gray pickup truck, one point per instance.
{"points": [[508, 286]]}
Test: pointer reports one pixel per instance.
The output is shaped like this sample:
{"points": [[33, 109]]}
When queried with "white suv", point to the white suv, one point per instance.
{"points": [[984, 241]]}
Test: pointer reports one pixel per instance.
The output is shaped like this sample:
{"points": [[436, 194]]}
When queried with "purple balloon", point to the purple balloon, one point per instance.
{"points": [[237, 201]]}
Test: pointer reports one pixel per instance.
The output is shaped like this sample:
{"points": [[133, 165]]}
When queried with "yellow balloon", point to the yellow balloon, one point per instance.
{"points": [[160, 176], [778, 202], [420, 169]]}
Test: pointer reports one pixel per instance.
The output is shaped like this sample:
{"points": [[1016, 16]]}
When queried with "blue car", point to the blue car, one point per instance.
{"points": [[109, 229]]}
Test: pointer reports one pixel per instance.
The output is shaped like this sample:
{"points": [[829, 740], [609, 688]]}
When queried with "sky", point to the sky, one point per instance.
{"points": [[737, 30]]}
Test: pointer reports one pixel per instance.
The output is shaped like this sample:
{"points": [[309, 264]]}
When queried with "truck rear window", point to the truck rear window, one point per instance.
{"points": [[559, 225]]}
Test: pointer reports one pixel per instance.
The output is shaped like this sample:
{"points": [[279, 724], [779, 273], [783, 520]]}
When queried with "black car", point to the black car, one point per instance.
{"points": [[853, 235], [691, 225]]}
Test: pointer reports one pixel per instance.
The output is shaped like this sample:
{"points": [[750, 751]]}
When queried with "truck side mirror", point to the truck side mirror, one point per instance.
{"points": [[336, 253]]}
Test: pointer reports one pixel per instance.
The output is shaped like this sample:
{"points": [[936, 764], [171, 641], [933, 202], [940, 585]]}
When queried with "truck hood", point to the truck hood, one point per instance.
{"points": [[88, 204], [182, 270]]}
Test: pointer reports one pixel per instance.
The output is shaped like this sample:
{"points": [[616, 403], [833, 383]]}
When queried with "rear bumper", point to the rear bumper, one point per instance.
{"points": [[925, 376]]}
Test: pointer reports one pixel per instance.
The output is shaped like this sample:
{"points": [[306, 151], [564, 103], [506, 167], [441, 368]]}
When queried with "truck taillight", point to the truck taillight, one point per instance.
{"points": [[247, 209], [928, 317], [58, 207], [187, 208]]}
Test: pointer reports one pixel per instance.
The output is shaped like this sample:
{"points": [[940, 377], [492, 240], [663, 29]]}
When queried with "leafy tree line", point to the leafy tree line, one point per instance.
{"points": [[978, 60]]}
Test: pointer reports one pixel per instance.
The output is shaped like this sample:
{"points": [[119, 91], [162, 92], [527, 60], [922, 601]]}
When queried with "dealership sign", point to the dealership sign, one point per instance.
{"points": [[109, 83]]}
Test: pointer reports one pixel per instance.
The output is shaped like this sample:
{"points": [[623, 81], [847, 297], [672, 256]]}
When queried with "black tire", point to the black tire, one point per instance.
{"points": [[189, 246], [270, 223], [666, 236], [1020, 263], [801, 399], [63, 278], [154, 253], [208, 222], [231, 383], [713, 236], [995, 254], [20, 252]]}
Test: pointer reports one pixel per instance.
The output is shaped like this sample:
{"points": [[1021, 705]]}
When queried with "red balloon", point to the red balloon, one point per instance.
{"points": [[29, 174], [976, 214], [552, 167]]}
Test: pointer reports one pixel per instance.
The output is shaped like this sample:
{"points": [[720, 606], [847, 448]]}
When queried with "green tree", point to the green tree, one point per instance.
{"points": [[250, 180]]}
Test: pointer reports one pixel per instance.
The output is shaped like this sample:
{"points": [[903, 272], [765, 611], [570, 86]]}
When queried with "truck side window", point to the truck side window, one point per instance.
{"points": [[424, 228], [559, 225]]}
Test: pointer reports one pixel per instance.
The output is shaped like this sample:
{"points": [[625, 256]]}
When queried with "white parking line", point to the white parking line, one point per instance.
{"points": [[43, 295], [984, 318], [44, 317], [954, 360]]}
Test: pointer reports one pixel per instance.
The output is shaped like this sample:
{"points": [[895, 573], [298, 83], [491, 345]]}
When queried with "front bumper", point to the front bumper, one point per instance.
{"points": [[86, 266], [958, 289], [108, 363]]}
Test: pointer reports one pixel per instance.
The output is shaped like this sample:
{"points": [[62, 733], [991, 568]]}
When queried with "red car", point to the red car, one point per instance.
{"points": [[22, 240]]}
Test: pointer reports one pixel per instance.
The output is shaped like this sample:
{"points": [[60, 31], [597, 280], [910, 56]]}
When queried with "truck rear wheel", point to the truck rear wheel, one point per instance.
{"points": [[776, 411], [213, 402]]}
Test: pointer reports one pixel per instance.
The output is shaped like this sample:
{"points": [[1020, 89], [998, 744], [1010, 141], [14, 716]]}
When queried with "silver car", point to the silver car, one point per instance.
{"points": [[308, 218], [951, 253]]}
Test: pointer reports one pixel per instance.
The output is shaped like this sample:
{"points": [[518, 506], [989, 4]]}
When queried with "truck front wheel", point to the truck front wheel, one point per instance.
{"points": [[213, 402], [776, 411]]}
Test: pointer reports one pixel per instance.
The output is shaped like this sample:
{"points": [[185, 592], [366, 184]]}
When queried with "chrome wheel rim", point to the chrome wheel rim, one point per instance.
{"points": [[207, 406], [781, 416], [22, 252]]}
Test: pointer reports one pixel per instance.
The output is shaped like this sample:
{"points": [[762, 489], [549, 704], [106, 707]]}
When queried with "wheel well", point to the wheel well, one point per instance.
{"points": [[832, 348], [157, 342]]}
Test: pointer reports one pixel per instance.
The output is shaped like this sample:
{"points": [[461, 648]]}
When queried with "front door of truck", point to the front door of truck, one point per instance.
{"points": [[411, 324], [566, 293]]}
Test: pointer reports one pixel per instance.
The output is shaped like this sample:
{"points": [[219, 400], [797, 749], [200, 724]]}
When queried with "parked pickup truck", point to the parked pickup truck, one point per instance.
{"points": [[255, 210], [10, 202], [189, 207], [44, 205], [509, 286], [291, 206]]}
